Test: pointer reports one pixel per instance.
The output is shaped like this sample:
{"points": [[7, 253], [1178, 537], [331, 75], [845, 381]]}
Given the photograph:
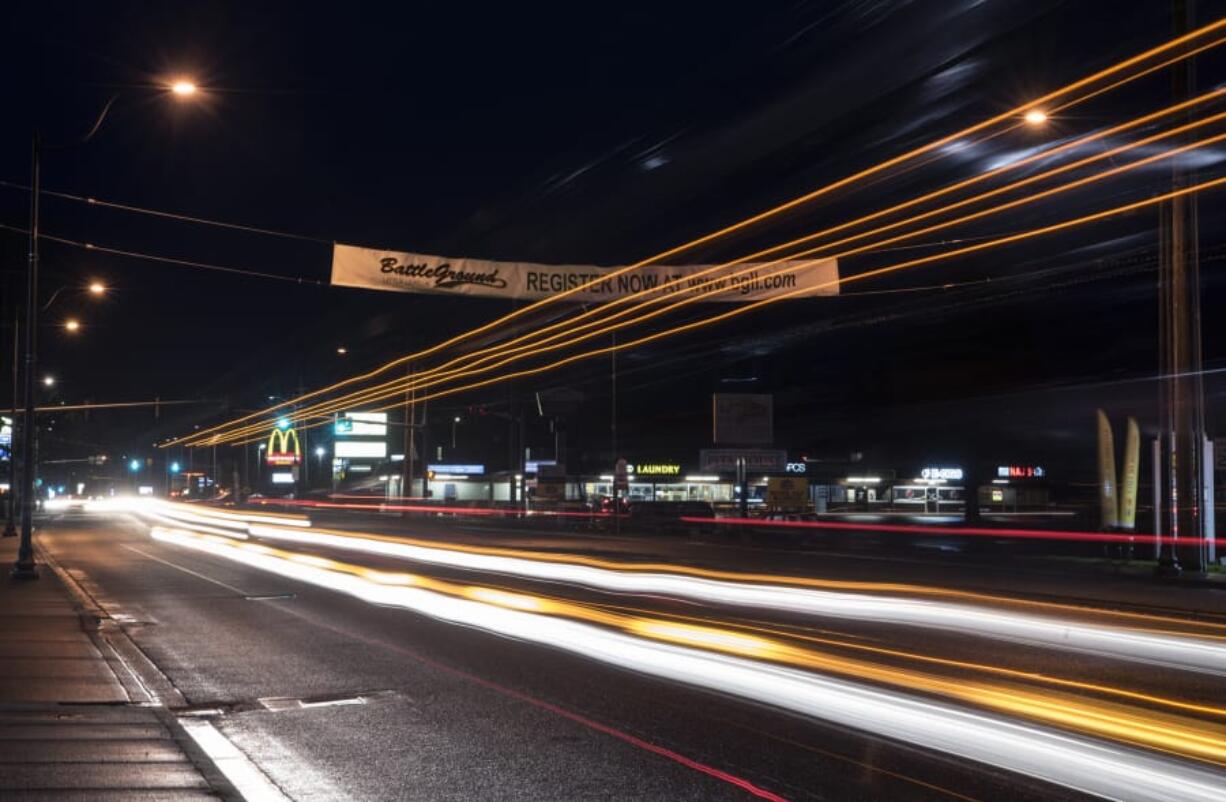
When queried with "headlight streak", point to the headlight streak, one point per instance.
{"points": [[1197, 739], [1087, 765], [1131, 618], [1182, 44], [1183, 652], [567, 329]]}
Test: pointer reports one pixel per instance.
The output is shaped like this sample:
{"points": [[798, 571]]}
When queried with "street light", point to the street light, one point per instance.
{"points": [[48, 381], [1035, 117], [454, 423], [341, 350], [72, 325], [97, 288], [24, 567]]}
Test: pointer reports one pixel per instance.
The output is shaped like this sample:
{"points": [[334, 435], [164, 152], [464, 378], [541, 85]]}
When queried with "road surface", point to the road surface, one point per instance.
{"points": [[343, 673]]}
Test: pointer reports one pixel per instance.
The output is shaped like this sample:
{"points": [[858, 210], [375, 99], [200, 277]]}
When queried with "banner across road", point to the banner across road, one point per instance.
{"points": [[399, 271]]}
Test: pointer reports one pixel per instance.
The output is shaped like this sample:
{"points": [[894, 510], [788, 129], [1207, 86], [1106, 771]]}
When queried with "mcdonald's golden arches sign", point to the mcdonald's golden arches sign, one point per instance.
{"points": [[283, 447]]}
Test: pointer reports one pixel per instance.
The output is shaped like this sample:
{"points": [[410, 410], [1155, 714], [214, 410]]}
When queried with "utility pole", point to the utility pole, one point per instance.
{"points": [[1182, 414], [10, 526], [25, 568], [617, 517], [410, 438]]}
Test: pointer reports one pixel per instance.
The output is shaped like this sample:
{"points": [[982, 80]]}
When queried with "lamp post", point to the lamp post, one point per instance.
{"points": [[72, 326], [24, 567]]}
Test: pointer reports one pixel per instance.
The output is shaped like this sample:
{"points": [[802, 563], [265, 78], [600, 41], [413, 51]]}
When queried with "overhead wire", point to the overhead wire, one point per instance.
{"points": [[421, 380], [779, 209], [743, 309]]}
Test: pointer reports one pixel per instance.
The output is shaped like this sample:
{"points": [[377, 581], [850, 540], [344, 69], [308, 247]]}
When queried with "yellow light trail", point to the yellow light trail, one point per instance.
{"points": [[1149, 619], [566, 329], [746, 308], [1013, 113], [1031, 676], [1169, 733], [504, 354]]}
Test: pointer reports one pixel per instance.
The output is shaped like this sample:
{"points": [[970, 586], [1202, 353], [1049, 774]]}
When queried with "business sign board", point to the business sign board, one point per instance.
{"points": [[743, 419], [551, 488], [360, 449], [283, 447], [362, 424], [654, 469], [941, 474], [787, 493], [1021, 471], [760, 460], [400, 271], [464, 469]]}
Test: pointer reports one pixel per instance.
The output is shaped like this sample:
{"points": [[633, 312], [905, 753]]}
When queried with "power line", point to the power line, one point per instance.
{"points": [[89, 246], [183, 218], [116, 405]]}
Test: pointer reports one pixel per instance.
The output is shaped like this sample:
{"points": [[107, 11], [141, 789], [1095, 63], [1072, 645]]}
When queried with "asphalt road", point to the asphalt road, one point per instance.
{"points": [[335, 697]]}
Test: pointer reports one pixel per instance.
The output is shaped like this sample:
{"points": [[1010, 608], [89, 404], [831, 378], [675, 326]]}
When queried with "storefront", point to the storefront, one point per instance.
{"points": [[1016, 488], [936, 489], [665, 480]]}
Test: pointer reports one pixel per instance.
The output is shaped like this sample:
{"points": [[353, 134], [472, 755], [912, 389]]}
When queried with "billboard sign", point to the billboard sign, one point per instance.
{"points": [[362, 424], [361, 449], [743, 419], [283, 447], [787, 493], [400, 271], [464, 469], [762, 460]]}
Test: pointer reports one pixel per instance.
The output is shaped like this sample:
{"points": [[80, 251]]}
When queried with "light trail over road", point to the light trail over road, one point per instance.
{"points": [[1197, 653], [1100, 738]]}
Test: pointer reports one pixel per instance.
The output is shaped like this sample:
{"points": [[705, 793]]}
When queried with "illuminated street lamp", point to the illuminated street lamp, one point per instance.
{"points": [[72, 325], [341, 350], [97, 288], [1035, 117], [24, 567], [48, 381]]}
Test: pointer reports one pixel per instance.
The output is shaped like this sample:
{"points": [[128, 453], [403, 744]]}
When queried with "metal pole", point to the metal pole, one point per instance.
{"points": [[1182, 352], [10, 527], [410, 421], [24, 568], [1156, 457], [617, 511]]}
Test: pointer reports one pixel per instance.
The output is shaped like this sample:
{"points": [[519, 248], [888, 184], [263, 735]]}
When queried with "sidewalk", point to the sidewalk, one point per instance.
{"points": [[68, 728]]}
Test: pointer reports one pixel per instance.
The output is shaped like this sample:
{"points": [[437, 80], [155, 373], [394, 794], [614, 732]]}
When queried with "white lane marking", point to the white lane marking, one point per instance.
{"points": [[178, 567], [244, 775]]}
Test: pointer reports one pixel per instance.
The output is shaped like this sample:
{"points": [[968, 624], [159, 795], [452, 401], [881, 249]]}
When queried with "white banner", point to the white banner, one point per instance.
{"points": [[415, 272]]}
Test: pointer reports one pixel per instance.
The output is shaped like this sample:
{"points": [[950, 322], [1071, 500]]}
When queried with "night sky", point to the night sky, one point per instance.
{"points": [[592, 134]]}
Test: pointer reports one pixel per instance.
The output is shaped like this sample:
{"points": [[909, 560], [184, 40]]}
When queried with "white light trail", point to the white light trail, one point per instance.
{"points": [[1084, 764], [1181, 652]]}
